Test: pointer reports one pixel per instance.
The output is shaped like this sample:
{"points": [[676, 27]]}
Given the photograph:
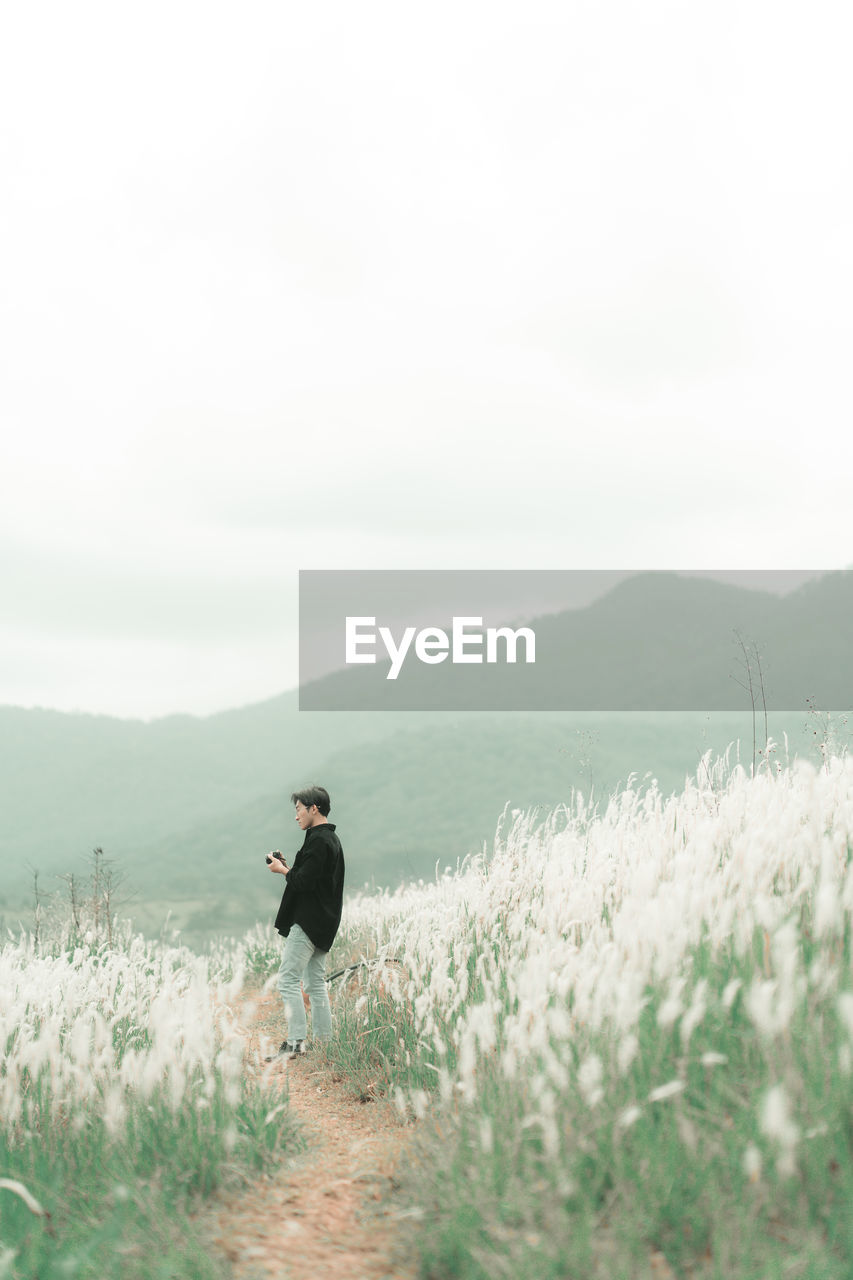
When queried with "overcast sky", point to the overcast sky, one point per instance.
{"points": [[377, 285]]}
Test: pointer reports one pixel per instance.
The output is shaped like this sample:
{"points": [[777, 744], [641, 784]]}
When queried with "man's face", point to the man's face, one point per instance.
{"points": [[306, 817]]}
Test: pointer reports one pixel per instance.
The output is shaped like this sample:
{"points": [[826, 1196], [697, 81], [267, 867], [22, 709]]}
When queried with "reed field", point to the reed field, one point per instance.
{"points": [[623, 1035], [125, 1100], [628, 1034]]}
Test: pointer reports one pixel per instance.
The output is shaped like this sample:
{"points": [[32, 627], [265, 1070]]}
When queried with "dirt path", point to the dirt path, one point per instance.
{"points": [[330, 1210]]}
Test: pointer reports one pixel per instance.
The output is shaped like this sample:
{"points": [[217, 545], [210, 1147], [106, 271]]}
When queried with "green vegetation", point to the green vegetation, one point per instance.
{"points": [[126, 1101], [604, 1194], [626, 1039], [680, 1109], [185, 809], [121, 1205]]}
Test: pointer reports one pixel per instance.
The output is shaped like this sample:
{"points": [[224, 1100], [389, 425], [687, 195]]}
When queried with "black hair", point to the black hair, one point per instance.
{"points": [[309, 796]]}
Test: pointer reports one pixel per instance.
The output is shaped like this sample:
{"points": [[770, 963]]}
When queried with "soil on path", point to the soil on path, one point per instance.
{"points": [[330, 1210]]}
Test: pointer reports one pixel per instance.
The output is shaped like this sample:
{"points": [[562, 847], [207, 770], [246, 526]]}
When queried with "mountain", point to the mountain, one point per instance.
{"points": [[412, 803], [656, 642], [69, 780], [187, 806]]}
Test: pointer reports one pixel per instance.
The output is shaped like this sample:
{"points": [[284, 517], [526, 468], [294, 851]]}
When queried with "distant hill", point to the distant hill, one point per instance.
{"points": [[425, 798], [413, 802], [69, 780], [187, 806], [655, 642]]}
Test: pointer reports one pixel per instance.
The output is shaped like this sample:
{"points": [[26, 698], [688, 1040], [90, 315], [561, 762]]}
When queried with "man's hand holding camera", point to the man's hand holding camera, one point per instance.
{"points": [[276, 862]]}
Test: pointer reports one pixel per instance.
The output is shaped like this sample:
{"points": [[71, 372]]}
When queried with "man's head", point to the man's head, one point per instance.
{"points": [[312, 806]]}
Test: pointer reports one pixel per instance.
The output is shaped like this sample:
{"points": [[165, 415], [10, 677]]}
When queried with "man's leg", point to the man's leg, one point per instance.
{"points": [[318, 993], [298, 949]]}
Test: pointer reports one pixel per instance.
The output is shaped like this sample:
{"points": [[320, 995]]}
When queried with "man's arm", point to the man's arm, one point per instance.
{"points": [[311, 869]]}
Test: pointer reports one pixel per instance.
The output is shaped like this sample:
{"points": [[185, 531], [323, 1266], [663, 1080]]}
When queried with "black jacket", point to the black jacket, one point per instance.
{"points": [[314, 894]]}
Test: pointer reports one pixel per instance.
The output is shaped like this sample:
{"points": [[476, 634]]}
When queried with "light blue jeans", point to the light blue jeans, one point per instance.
{"points": [[303, 963]]}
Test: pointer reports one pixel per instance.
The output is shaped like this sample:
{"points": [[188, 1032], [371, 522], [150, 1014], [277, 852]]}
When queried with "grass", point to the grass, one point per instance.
{"points": [[606, 1081], [711, 1138], [121, 1205], [126, 1103], [586, 1189]]}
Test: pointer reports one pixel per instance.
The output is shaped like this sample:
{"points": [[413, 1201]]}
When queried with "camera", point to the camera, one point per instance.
{"points": [[276, 853]]}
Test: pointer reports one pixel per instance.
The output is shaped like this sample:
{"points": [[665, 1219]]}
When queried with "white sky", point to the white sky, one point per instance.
{"points": [[376, 285]]}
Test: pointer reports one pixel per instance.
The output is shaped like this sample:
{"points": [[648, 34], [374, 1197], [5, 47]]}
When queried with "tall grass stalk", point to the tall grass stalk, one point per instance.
{"points": [[627, 1037], [126, 1099]]}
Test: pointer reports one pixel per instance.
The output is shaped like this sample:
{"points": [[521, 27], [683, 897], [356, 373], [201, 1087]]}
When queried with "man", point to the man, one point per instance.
{"points": [[308, 918]]}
